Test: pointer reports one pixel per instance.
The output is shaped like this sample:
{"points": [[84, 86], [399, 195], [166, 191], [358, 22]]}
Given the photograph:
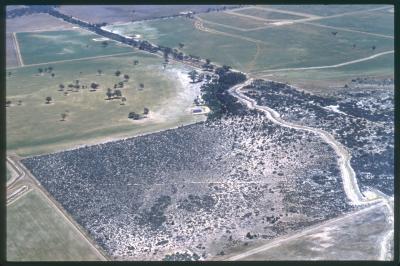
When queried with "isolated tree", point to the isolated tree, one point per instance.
{"points": [[193, 75], [123, 100], [40, 70], [104, 43], [181, 45], [146, 110], [8, 103], [99, 72], [120, 84], [134, 116], [126, 77], [109, 93], [50, 69], [66, 93], [19, 102], [63, 116], [52, 75], [373, 47], [9, 74], [141, 85], [61, 86], [208, 61], [117, 73], [48, 99], [135, 62]]}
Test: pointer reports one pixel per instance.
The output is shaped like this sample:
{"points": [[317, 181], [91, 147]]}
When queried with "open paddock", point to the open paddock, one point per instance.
{"points": [[36, 232], [34, 127], [42, 47]]}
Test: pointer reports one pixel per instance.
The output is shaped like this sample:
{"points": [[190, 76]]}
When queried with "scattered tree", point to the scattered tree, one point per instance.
{"points": [[61, 87], [118, 93], [99, 72], [48, 99], [104, 43], [94, 86], [123, 100], [181, 45], [135, 62], [141, 85], [19, 102], [193, 75], [63, 116], [117, 73], [40, 70], [50, 69], [134, 116], [8, 103], [9, 74], [109, 93], [52, 75], [146, 110], [208, 61], [126, 77]]}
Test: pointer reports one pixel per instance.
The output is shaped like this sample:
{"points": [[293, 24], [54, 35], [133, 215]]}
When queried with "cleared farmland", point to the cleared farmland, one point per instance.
{"points": [[374, 22], [266, 14], [36, 232], [323, 10], [298, 45], [34, 127], [42, 47]]}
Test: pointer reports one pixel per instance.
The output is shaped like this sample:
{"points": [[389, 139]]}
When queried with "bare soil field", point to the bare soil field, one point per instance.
{"points": [[36, 22], [119, 13]]}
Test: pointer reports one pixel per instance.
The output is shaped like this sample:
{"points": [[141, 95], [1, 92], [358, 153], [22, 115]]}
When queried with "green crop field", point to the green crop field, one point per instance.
{"points": [[232, 20], [8, 174], [42, 47], [35, 232], [34, 127], [382, 66], [322, 10], [297, 45], [265, 14], [376, 22]]}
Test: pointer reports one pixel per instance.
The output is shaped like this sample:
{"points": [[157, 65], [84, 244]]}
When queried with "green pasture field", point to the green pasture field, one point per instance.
{"points": [[297, 45], [382, 66], [35, 127], [323, 10], [48, 46], [8, 174], [35, 232], [232, 20], [374, 22], [266, 14]]}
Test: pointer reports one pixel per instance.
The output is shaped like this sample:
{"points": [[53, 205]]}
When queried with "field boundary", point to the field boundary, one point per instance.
{"points": [[17, 50]]}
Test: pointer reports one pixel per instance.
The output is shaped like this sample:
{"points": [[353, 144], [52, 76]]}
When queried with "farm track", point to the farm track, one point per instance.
{"points": [[349, 180], [17, 50]]}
